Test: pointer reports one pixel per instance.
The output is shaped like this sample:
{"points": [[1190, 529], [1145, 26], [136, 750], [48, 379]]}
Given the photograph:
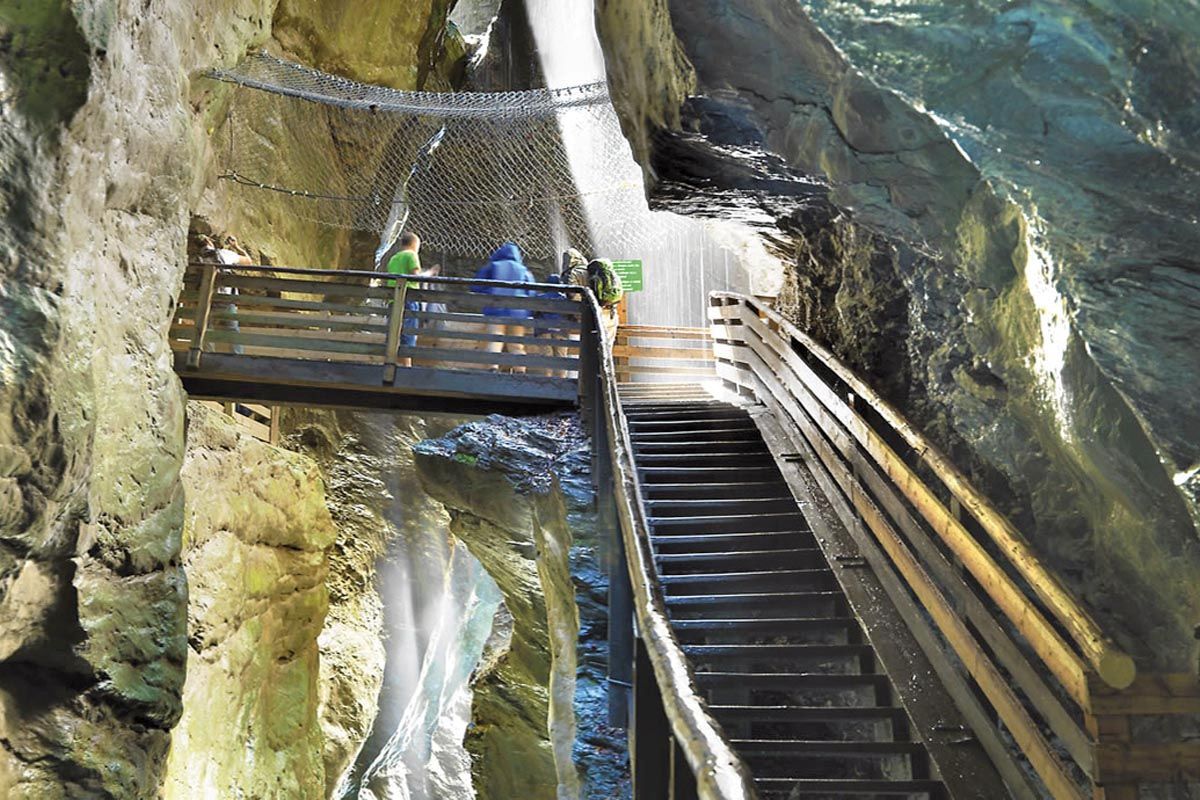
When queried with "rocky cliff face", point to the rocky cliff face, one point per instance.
{"points": [[519, 497], [104, 153], [1001, 237], [256, 545]]}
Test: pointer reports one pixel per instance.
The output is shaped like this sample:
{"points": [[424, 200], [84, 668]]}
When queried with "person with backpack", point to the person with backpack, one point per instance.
{"points": [[505, 264], [605, 283], [574, 268]]}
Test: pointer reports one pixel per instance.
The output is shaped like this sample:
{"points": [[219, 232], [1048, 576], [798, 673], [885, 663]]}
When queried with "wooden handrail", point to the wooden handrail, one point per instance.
{"points": [[1114, 666], [720, 772], [342, 274]]}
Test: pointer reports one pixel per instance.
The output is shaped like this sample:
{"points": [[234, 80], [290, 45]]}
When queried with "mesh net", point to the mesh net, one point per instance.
{"points": [[467, 171]]}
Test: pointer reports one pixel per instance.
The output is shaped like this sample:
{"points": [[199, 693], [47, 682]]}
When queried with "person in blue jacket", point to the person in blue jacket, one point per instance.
{"points": [[505, 265]]}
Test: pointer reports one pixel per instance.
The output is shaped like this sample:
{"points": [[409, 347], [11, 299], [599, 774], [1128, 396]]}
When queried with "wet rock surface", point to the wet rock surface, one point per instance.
{"points": [[1000, 244], [520, 498]]}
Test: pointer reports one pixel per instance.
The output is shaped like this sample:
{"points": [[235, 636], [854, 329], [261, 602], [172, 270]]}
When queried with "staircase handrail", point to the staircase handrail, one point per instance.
{"points": [[1113, 665], [720, 772]]}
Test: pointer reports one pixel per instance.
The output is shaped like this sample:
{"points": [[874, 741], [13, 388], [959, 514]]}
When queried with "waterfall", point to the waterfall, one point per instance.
{"points": [[683, 258]]}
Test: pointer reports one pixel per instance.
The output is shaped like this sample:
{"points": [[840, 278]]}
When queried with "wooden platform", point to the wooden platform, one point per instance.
{"points": [[323, 338]]}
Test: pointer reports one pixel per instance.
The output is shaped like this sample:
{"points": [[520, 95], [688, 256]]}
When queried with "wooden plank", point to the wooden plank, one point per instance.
{"points": [[204, 310], [1114, 666], [292, 319], [377, 339], [562, 325], [395, 326], [567, 308], [638, 369], [1058, 656], [656, 332], [293, 304], [454, 355], [1129, 762], [308, 287], [296, 343], [476, 336], [1022, 728], [680, 353]]}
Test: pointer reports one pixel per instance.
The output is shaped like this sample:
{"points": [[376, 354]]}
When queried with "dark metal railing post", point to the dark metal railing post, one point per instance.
{"points": [[650, 740], [620, 591]]}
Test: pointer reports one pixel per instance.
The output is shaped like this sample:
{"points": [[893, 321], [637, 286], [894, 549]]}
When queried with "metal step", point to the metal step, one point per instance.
{"points": [[740, 433], [752, 600], [702, 508], [792, 681], [682, 448], [714, 459], [707, 474]]}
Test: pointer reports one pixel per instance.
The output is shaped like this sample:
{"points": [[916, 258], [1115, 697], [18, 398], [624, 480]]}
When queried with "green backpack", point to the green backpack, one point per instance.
{"points": [[604, 282]]}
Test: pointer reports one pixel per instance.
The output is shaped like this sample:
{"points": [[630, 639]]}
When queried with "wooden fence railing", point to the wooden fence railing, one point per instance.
{"points": [[1034, 657], [261, 422], [369, 319], [649, 352]]}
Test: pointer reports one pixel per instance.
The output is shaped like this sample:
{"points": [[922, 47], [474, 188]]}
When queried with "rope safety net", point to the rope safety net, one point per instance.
{"points": [[467, 171]]}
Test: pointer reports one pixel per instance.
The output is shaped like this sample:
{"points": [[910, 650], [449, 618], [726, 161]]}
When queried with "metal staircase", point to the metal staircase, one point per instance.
{"points": [[781, 660]]}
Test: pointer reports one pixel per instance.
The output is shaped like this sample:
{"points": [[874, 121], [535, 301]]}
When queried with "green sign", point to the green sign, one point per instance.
{"points": [[631, 274]]}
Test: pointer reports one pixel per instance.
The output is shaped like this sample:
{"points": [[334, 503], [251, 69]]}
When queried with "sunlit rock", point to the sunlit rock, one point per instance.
{"points": [[256, 553]]}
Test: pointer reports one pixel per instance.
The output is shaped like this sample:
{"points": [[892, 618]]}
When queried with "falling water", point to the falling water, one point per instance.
{"points": [[683, 258]]}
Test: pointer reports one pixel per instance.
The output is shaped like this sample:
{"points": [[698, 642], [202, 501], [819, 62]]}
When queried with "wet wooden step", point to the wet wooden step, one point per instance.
{"points": [[740, 561], [791, 681], [773, 788], [730, 582], [735, 507], [708, 474], [730, 490], [728, 542], [773, 522]]}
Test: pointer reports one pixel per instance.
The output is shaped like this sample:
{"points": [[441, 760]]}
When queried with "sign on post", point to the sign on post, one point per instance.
{"points": [[630, 273]]}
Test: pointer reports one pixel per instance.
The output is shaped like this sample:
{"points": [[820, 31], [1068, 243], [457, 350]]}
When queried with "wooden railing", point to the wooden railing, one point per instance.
{"points": [[673, 738], [335, 321], [647, 352], [1034, 657], [258, 421]]}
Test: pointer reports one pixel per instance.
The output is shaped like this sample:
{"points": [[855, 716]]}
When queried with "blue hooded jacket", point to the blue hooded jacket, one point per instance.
{"points": [[505, 265]]}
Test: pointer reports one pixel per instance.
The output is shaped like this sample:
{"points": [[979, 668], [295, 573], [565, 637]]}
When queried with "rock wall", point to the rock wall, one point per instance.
{"points": [[104, 157], [256, 552], [495, 479], [520, 497], [962, 251]]}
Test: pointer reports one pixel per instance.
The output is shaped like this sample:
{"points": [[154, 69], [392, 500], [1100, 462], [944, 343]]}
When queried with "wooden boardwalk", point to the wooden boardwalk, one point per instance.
{"points": [[340, 339], [907, 549]]}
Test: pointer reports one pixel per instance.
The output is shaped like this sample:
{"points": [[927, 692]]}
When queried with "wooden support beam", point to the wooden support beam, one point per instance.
{"points": [[395, 326], [208, 282]]}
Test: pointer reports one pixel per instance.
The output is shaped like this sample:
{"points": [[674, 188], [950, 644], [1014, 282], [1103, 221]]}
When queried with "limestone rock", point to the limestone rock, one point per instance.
{"points": [[256, 552]]}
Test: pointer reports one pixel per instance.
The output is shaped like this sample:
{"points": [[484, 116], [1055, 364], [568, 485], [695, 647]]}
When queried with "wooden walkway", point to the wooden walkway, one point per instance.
{"points": [[907, 549], [340, 339]]}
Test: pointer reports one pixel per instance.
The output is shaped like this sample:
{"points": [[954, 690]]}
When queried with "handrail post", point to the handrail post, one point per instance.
{"points": [[208, 285], [620, 590], [651, 745], [395, 327]]}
